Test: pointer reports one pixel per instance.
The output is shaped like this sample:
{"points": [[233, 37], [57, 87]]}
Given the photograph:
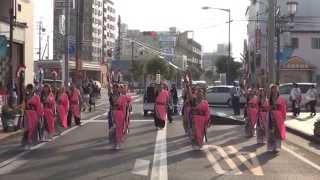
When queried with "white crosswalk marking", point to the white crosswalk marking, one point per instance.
{"points": [[230, 163], [254, 167], [214, 163], [256, 170], [141, 167]]}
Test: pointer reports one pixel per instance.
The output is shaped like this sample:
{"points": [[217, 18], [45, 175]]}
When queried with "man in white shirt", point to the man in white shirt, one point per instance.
{"points": [[295, 97], [312, 95]]}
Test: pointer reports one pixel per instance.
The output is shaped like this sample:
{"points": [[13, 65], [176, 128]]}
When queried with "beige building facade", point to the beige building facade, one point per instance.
{"points": [[22, 37]]}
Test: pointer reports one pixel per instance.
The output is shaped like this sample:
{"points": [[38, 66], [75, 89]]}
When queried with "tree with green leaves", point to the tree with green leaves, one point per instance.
{"points": [[171, 73], [195, 71], [137, 70], [235, 66], [209, 75], [155, 65]]}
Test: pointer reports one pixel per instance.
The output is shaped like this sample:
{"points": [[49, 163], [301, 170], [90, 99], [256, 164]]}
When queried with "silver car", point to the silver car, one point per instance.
{"points": [[221, 95]]}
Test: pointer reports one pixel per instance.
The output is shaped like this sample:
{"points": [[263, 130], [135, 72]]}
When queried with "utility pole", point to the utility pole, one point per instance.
{"points": [[278, 31], [12, 16], [48, 43], [78, 7], [66, 55], [119, 37], [229, 50], [40, 30], [132, 60], [271, 28]]}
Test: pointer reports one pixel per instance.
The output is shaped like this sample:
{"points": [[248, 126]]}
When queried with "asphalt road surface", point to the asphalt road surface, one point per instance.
{"points": [[83, 153]]}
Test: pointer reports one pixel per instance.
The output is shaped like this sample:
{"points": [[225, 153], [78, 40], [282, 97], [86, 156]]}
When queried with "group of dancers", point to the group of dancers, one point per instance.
{"points": [[265, 117], [265, 114], [47, 111], [195, 112]]}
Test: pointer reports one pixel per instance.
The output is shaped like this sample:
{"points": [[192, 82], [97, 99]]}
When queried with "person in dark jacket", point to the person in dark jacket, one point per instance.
{"points": [[174, 97]]}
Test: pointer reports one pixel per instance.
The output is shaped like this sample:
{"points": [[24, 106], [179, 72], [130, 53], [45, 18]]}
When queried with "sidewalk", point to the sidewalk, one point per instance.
{"points": [[302, 125]]}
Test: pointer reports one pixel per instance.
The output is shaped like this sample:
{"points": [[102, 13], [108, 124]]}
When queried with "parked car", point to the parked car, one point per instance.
{"points": [[221, 95], [202, 84], [53, 83], [285, 90], [149, 99]]}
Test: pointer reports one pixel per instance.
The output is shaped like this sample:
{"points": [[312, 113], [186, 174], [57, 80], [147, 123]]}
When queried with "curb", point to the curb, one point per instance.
{"points": [[303, 135]]}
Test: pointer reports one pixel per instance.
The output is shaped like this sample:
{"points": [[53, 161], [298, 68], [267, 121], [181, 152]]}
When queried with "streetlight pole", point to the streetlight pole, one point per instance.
{"points": [[229, 41]]}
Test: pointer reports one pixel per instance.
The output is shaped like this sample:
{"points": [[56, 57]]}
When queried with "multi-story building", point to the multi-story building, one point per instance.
{"points": [[168, 42], [22, 43], [179, 49], [98, 27], [138, 45], [209, 59], [299, 45], [109, 28], [187, 46]]}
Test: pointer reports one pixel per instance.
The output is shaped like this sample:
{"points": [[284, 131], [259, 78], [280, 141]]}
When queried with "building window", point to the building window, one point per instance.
{"points": [[19, 7], [315, 43], [295, 43]]}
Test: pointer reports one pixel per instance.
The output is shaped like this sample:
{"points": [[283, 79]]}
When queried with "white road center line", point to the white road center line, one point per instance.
{"points": [[303, 159], [159, 166], [17, 161], [141, 167], [255, 170], [214, 163], [231, 164]]}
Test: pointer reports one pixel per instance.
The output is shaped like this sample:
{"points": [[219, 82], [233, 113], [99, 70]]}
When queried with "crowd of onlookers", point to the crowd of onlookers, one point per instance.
{"points": [[90, 90]]}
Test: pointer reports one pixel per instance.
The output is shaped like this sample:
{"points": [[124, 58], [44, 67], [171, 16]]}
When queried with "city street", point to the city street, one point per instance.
{"points": [[84, 153]]}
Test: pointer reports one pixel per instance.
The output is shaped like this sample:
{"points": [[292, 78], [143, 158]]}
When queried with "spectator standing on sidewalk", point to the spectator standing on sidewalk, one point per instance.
{"points": [[295, 97], [312, 95], [174, 96], [235, 97], [86, 96], [92, 96]]}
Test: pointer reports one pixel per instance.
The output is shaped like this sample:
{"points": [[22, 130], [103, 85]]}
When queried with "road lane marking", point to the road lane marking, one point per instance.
{"points": [[141, 167], [214, 163], [303, 159], [137, 100], [15, 162], [105, 121], [257, 170], [159, 165], [231, 164], [256, 163]]}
